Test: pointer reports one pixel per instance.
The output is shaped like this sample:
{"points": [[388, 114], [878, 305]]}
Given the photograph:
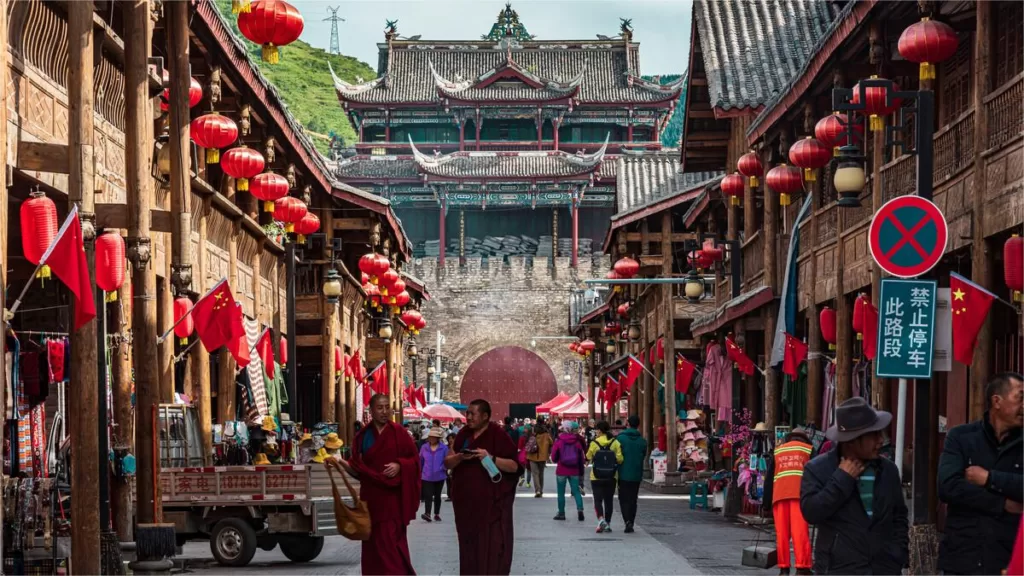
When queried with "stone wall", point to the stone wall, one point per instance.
{"points": [[478, 307]]}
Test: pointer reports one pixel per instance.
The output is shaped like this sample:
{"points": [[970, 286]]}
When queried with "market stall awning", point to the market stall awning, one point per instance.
{"points": [[574, 408], [569, 403], [410, 413], [546, 407], [731, 310], [442, 412]]}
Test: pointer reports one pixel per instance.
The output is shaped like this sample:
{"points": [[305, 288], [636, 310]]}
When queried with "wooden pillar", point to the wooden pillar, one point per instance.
{"points": [[181, 181], [226, 391], [749, 214], [4, 211], [668, 322], [200, 356], [83, 396], [124, 418], [815, 366], [981, 258], [441, 219], [591, 388], [575, 233], [479, 121], [352, 410], [328, 380], [555, 125], [165, 314], [771, 275], [462, 135], [540, 125], [650, 393], [844, 324], [879, 386]]}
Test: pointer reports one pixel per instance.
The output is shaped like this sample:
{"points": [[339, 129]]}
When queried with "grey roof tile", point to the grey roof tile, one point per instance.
{"points": [[644, 179]]}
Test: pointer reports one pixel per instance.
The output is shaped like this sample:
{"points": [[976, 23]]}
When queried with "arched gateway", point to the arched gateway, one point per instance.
{"points": [[509, 377]]}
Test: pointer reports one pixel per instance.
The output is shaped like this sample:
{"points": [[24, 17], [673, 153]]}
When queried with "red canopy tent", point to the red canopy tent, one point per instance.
{"points": [[578, 410], [410, 413], [556, 401], [570, 402], [442, 412]]}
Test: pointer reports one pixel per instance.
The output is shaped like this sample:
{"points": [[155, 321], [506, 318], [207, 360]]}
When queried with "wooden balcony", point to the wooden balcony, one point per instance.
{"points": [[753, 262], [1003, 107]]}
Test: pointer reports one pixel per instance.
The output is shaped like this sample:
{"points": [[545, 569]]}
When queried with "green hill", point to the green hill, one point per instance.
{"points": [[302, 79], [674, 129]]}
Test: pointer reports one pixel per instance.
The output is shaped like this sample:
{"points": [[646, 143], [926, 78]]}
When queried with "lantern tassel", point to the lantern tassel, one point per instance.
{"points": [[877, 123], [212, 155], [241, 6], [809, 175], [242, 184], [271, 54], [835, 151], [43, 273], [300, 239], [289, 227], [783, 199], [734, 200], [831, 346], [111, 296], [183, 341], [268, 206], [753, 181], [1018, 295], [927, 71]]}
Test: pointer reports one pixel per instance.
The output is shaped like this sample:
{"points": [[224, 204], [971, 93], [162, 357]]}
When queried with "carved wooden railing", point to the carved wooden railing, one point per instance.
{"points": [[753, 256], [954, 147], [1005, 121], [854, 216], [827, 225], [307, 279], [805, 236], [899, 177]]}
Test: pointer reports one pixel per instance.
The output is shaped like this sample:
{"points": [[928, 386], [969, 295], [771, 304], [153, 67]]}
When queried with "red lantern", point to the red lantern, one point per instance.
{"points": [[785, 180], [396, 288], [364, 278], [387, 280], [38, 229], [831, 131], [827, 322], [271, 23], [927, 42], [213, 132], [858, 315], [283, 351], [587, 346], [750, 166], [183, 316], [402, 299], [368, 266], [875, 104], [242, 164], [338, 363], [289, 210], [626, 267], [809, 154], [308, 225], [1013, 268], [421, 323], [268, 187], [110, 263], [732, 186], [623, 310], [195, 93], [574, 346], [713, 253], [372, 295]]}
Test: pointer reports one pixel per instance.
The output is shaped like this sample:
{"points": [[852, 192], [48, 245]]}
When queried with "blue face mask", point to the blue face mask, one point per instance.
{"points": [[492, 468]]}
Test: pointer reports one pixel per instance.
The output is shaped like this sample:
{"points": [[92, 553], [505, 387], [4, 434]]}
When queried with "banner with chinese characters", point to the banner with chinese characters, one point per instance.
{"points": [[906, 328]]}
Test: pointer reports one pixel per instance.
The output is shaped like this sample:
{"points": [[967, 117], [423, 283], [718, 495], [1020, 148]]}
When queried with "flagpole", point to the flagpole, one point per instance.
{"points": [[162, 337], [42, 261], [644, 367]]}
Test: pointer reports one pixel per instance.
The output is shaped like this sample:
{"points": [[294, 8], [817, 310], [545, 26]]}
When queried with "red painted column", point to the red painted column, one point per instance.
{"points": [[629, 133], [555, 124], [462, 136], [440, 254], [575, 233], [478, 136], [540, 123]]}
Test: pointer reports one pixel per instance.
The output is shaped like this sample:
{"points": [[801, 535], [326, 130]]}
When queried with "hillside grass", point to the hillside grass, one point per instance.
{"points": [[305, 84]]}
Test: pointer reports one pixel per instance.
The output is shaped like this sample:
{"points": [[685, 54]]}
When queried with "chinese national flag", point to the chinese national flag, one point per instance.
{"points": [[684, 373], [380, 378], [611, 392], [969, 303], [739, 357], [66, 257], [355, 367], [870, 331], [218, 319], [239, 347], [635, 368], [265, 349], [600, 395], [795, 355], [421, 396]]}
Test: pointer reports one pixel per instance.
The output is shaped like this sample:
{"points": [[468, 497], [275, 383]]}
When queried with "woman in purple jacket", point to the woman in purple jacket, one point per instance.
{"points": [[569, 454], [432, 455]]}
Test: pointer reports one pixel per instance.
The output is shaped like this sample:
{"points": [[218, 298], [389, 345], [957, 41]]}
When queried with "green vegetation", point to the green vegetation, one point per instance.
{"points": [[674, 130], [305, 85]]}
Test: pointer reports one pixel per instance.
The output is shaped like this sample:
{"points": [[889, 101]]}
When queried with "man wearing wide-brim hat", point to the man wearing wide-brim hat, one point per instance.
{"points": [[855, 498]]}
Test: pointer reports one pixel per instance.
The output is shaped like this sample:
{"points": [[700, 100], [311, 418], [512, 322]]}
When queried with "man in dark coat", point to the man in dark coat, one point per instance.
{"points": [[855, 498], [981, 482]]}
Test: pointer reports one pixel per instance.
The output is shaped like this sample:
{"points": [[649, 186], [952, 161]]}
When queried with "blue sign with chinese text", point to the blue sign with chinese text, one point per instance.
{"points": [[906, 329]]}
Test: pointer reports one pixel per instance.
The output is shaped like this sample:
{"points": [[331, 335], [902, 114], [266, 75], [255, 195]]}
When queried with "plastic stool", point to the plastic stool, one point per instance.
{"points": [[699, 495]]}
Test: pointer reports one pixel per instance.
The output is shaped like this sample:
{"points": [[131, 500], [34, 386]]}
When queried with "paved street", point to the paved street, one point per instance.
{"points": [[670, 539]]}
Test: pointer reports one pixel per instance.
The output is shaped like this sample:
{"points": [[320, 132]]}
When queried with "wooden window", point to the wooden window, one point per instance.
{"points": [[955, 82], [1009, 25]]}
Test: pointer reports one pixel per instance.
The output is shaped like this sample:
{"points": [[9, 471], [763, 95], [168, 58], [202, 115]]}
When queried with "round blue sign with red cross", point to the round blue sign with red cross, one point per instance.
{"points": [[908, 236]]}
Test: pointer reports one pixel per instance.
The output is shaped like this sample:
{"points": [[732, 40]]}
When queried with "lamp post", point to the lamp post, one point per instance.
{"points": [[430, 379], [332, 286], [413, 354]]}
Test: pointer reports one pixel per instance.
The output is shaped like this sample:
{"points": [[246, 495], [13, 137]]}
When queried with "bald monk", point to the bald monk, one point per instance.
{"points": [[485, 470], [386, 462]]}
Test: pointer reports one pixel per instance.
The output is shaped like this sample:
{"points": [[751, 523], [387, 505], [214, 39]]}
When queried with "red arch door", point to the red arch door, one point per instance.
{"points": [[508, 375]]}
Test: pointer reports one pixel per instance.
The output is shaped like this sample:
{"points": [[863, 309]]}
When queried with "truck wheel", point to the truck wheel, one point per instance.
{"points": [[233, 542], [301, 548]]}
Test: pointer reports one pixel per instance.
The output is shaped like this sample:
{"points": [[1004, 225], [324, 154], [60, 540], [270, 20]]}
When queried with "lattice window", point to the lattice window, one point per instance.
{"points": [[955, 81], [1009, 25]]}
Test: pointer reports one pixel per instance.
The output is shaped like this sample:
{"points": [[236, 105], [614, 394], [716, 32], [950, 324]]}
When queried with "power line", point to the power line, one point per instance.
{"points": [[333, 19]]}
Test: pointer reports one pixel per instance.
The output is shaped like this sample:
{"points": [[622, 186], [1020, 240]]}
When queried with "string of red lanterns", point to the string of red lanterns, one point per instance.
{"points": [[785, 180], [242, 164], [268, 187], [213, 132]]}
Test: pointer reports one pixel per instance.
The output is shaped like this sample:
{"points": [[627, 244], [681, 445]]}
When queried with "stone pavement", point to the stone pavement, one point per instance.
{"points": [[670, 539]]}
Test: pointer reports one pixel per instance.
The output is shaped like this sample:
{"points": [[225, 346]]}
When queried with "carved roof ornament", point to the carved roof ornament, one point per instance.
{"points": [[289, 175], [359, 87], [391, 30], [215, 88], [507, 25], [626, 29], [268, 150], [245, 120]]}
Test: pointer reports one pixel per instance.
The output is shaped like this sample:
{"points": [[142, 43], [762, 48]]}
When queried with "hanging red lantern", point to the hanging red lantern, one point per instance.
{"points": [[289, 210], [396, 288], [283, 351], [587, 346], [183, 318], [364, 278], [110, 263], [623, 310], [308, 225], [927, 42], [421, 323], [272, 24], [827, 322], [626, 267], [411, 319], [750, 166], [573, 346], [874, 103], [732, 186], [372, 295], [402, 299], [858, 315], [38, 229], [268, 187], [809, 154], [242, 163], [195, 93], [368, 266], [213, 132], [785, 180], [339, 364], [382, 263], [387, 280], [832, 131], [1013, 267]]}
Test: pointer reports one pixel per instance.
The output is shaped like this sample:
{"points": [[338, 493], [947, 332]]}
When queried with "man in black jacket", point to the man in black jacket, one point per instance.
{"points": [[981, 482], [855, 498]]}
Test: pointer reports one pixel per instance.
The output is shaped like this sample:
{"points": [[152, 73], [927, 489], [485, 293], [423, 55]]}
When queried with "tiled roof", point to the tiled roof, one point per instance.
{"points": [[530, 86], [552, 164], [610, 70], [651, 177], [753, 48]]}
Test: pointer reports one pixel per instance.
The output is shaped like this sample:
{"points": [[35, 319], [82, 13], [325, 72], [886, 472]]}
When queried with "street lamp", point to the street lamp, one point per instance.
{"points": [[384, 331], [694, 286], [332, 286], [849, 177], [430, 370], [634, 331], [610, 347]]}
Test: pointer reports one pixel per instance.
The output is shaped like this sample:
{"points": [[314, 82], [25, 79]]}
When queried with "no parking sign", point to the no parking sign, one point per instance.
{"points": [[908, 236]]}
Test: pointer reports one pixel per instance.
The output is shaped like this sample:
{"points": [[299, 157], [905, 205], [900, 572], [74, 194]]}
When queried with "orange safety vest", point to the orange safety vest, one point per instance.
{"points": [[790, 459]]}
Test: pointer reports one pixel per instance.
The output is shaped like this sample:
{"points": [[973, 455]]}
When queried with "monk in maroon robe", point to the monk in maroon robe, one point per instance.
{"points": [[386, 462], [482, 499]]}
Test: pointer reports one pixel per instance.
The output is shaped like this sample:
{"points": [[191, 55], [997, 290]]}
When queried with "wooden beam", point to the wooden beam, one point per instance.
{"points": [[116, 216], [353, 223], [309, 341], [656, 236], [43, 157]]}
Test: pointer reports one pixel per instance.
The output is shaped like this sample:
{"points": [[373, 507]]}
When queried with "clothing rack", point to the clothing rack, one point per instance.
{"points": [[38, 333]]}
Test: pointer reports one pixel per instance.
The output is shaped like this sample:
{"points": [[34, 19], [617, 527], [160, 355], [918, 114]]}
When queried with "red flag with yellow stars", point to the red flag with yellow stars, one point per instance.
{"points": [[969, 303], [795, 355], [684, 373], [743, 362], [217, 318]]}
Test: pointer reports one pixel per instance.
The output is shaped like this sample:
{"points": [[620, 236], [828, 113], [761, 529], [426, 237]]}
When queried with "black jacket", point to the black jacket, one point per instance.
{"points": [[979, 532], [849, 542]]}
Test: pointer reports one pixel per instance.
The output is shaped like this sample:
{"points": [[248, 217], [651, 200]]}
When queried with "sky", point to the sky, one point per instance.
{"points": [[661, 26]]}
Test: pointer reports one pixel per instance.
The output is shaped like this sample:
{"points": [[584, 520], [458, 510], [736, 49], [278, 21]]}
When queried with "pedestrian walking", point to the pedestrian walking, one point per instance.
{"points": [[574, 426], [524, 436], [605, 456], [450, 441], [432, 455], [981, 483], [782, 500], [854, 498], [538, 450], [485, 471], [568, 455], [631, 473], [385, 462], [512, 429]]}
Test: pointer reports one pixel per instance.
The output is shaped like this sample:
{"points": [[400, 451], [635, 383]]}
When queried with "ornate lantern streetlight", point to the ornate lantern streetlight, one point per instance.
{"points": [[332, 286]]}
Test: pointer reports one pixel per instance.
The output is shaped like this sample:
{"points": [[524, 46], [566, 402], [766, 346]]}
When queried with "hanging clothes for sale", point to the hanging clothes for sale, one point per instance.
{"points": [[794, 396], [276, 394], [718, 381], [255, 371], [862, 380], [12, 375], [828, 396], [55, 359], [35, 378]]}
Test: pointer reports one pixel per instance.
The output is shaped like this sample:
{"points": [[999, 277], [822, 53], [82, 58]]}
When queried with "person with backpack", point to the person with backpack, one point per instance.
{"points": [[538, 448], [605, 456], [634, 451], [568, 455]]}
